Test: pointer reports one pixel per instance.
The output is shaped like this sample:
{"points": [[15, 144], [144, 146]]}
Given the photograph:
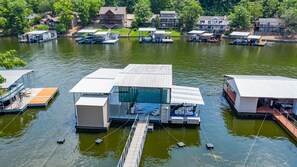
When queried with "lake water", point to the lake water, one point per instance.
{"points": [[30, 138]]}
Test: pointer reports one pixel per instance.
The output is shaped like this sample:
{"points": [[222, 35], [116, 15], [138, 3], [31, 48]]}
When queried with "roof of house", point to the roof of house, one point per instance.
{"points": [[264, 86], [270, 20], [115, 10], [212, 17], [12, 76], [167, 12]]}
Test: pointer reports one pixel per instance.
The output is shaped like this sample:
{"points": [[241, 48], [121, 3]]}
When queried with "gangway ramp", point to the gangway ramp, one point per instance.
{"points": [[285, 122], [133, 149]]}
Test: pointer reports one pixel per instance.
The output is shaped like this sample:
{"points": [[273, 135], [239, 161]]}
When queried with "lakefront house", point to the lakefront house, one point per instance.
{"points": [[112, 17], [212, 23], [269, 25], [169, 20]]}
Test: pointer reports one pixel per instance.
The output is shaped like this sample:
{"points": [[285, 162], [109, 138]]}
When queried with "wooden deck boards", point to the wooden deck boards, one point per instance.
{"points": [[287, 124], [43, 97]]}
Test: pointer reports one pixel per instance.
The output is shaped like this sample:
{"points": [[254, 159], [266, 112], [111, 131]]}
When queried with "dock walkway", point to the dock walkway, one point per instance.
{"points": [[133, 149], [285, 122]]}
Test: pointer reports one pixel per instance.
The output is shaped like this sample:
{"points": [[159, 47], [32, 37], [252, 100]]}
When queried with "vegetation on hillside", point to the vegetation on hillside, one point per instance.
{"points": [[14, 13]]}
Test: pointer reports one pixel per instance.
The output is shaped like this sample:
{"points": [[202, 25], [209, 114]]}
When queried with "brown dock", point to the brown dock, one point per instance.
{"points": [[43, 97], [285, 123]]}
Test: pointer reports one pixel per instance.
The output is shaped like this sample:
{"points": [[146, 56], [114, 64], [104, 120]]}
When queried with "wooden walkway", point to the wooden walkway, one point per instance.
{"points": [[286, 123]]}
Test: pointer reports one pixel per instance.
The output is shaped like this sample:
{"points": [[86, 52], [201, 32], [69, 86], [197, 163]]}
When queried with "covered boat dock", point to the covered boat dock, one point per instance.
{"points": [[258, 96]]}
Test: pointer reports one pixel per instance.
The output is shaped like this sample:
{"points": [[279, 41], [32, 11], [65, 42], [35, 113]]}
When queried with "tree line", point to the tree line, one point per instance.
{"points": [[241, 13]]}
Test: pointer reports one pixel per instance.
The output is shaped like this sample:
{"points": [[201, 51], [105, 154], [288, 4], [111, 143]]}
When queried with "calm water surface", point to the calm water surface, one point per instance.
{"points": [[30, 138]]}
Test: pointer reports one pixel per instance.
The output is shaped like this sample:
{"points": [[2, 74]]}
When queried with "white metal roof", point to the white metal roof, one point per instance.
{"points": [[148, 69], [91, 101], [37, 32], [87, 85], [265, 86], [182, 94], [104, 73], [145, 75], [196, 32], [160, 32], [238, 33], [147, 29], [12, 76], [87, 31], [207, 34], [254, 36], [101, 33]]}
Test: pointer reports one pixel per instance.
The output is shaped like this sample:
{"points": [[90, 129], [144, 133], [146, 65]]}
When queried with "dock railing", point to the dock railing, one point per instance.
{"points": [[289, 120], [147, 119], [128, 142]]}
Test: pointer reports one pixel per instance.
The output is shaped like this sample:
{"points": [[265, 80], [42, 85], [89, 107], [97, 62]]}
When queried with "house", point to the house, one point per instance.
{"points": [[52, 21], [120, 95], [112, 17], [252, 94], [212, 23], [169, 20], [269, 25]]}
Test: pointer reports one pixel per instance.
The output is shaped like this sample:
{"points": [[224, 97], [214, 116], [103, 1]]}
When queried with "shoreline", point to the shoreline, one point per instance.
{"points": [[264, 38]]}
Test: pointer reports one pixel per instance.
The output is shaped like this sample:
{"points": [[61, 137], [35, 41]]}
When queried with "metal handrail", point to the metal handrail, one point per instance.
{"points": [[287, 118], [15, 89], [128, 142]]}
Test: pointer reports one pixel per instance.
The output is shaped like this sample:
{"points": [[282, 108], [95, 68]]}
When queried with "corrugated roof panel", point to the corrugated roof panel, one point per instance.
{"points": [[93, 86], [104, 73], [182, 94], [12, 76]]}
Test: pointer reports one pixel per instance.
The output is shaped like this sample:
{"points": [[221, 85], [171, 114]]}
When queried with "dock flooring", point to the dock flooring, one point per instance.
{"points": [[287, 124], [39, 97], [43, 97], [136, 146]]}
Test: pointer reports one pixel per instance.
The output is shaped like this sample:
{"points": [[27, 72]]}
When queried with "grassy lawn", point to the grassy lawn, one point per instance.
{"points": [[125, 31]]}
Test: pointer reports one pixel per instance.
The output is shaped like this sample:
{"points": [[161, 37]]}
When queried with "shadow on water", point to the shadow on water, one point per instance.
{"points": [[250, 127]]}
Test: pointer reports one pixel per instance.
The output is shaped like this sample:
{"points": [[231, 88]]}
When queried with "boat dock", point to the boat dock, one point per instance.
{"points": [[34, 97], [132, 152]]}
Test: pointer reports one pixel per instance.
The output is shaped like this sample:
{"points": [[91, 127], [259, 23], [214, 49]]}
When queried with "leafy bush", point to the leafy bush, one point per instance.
{"points": [[42, 27], [61, 28]]}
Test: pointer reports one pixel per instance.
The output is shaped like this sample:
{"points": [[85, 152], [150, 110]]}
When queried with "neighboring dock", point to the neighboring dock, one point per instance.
{"points": [[34, 97]]}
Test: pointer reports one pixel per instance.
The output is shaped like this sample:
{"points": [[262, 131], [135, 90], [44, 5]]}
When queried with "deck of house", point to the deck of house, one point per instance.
{"points": [[38, 97]]}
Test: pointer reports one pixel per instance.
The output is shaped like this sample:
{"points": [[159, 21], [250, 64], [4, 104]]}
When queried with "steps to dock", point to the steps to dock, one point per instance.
{"points": [[132, 152], [285, 121]]}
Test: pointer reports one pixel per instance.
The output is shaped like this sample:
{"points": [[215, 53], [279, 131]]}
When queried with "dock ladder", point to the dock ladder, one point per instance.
{"points": [[132, 152]]}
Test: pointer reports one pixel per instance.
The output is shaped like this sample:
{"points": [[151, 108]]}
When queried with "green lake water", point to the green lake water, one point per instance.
{"points": [[30, 138]]}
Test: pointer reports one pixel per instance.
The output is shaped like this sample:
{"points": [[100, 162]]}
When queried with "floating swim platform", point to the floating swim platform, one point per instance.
{"points": [[43, 97]]}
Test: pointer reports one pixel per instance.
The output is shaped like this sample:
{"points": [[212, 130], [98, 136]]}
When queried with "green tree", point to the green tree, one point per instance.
{"points": [[270, 8], [157, 5], [34, 5], [87, 9], [142, 12], [240, 18], [61, 28], [46, 6], [189, 14], [64, 10], [42, 27], [8, 60], [13, 16], [255, 8], [288, 11]]}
